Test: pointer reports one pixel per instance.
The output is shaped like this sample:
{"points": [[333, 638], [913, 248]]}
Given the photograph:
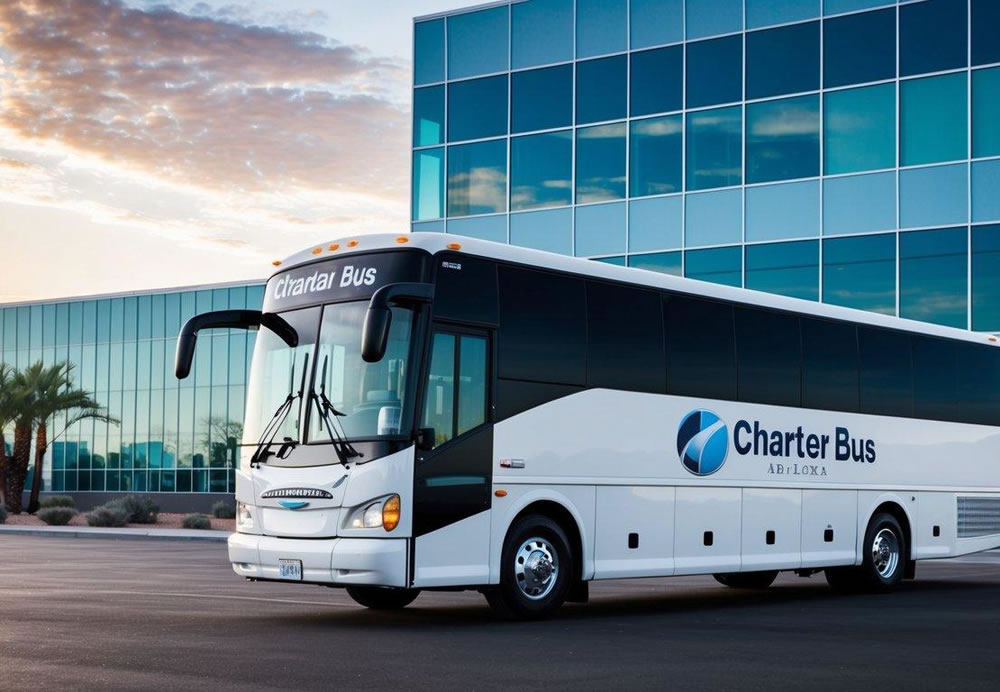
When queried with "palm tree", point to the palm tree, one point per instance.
{"points": [[22, 384], [8, 412]]}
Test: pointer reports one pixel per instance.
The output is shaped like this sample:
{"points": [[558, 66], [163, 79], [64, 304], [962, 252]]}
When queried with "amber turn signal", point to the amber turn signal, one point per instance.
{"points": [[390, 513], [501, 493], [454, 246]]}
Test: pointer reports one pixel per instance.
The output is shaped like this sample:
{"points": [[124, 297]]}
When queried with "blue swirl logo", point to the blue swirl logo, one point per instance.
{"points": [[702, 442]]}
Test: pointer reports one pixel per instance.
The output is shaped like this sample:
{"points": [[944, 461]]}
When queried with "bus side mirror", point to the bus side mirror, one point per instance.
{"points": [[226, 319], [378, 319], [425, 439]]}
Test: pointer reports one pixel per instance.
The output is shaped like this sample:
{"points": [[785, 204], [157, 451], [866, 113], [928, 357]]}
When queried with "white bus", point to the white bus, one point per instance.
{"points": [[427, 411]]}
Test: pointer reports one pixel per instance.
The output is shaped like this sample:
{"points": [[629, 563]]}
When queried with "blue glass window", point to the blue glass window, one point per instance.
{"points": [[477, 43], [933, 276], [601, 89], [986, 278], [986, 112], [985, 183], [788, 210], [600, 229], [783, 60], [720, 265], [859, 129], [428, 52], [788, 269], [932, 36], [477, 178], [656, 22], [767, 12], [783, 139], [428, 184], [492, 228], [618, 261], [655, 223], [655, 155], [859, 48], [935, 196], [600, 27], [713, 17], [477, 108], [715, 71], [662, 262], [860, 272], [657, 81], [600, 163], [541, 170], [550, 230], [838, 6], [542, 99], [714, 148], [428, 227], [859, 203], [985, 29], [428, 116], [933, 114], [541, 32], [714, 218]]}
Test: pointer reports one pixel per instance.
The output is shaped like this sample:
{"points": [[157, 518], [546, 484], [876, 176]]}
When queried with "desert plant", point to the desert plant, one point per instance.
{"points": [[56, 516], [223, 510], [108, 515], [3, 513], [139, 510], [196, 521], [57, 501]]}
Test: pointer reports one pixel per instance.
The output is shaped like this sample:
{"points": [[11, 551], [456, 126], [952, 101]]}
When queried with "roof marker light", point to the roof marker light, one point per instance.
{"points": [[334, 247], [317, 250], [352, 243], [454, 246], [276, 263], [402, 239]]}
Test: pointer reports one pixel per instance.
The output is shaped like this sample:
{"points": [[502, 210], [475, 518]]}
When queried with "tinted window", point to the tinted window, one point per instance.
{"points": [[767, 357], [428, 52], [656, 22], [985, 29], [829, 365], [541, 99], [477, 178], [712, 17], [859, 48], [720, 265], [714, 148], [428, 184], [477, 43], [624, 339], [601, 89], [428, 116], [788, 269], [701, 359], [662, 262], [543, 332], [657, 81], [986, 112], [541, 169], [655, 157], [933, 276], [600, 163], [859, 129], [938, 393], [986, 278], [783, 139], [933, 119], [886, 377], [600, 27], [455, 359], [783, 61], [861, 272], [466, 289], [541, 32], [477, 108], [932, 36], [714, 71]]}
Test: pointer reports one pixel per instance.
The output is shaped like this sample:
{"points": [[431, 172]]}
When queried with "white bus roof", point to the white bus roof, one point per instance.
{"points": [[441, 242]]}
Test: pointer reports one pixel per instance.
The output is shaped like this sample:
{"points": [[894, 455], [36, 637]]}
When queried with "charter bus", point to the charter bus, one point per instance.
{"points": [[426, 411]]}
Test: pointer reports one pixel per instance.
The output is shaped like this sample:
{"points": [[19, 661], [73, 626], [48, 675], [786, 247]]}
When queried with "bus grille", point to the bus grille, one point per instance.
{"points": [[978, 516]]}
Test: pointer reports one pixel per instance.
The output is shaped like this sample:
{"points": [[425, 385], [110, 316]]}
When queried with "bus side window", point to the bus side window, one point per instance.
{"points": [[461, 359]]}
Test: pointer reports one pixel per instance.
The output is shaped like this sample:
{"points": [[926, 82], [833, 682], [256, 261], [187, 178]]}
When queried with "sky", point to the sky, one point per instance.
{"points": [[161, 143]]}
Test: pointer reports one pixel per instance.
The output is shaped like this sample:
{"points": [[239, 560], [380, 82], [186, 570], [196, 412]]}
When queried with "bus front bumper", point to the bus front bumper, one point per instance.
{"points": [[338, 561]]}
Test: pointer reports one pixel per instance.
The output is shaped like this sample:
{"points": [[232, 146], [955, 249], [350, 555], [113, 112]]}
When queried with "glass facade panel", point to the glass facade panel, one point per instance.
{"points": [[492, 228], [713, 17], [714, 148], [662, 262], [985, 29], [477, 43], [859, 129], [428, 116], [600, 27], [721, 265], [601, 89], [657, 81], [859, 204], [477, 108], [655, 223], [714, 218], [789, 269], [428, 184], [933, 276], [541, 32], [985, 183], [477, 178], [838, 6], [767, 12], [859, 48], [714, 71], [986, 278], [428, 52], [541, 170], [933, 114], [783, 61], [550, 230], [783, 139], [860, 272], [932, 36], [600, 163], [600, 229], [542, 99], [655, 157], [789, 210], [656, 22], [986, 112], [933, 196]]}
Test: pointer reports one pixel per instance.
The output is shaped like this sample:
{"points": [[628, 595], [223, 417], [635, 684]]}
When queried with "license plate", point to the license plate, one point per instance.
{"points": [[290, 569]]}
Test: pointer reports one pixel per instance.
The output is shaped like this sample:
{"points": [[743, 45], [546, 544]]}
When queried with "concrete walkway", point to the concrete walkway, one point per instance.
{"points": [[122, 533]]}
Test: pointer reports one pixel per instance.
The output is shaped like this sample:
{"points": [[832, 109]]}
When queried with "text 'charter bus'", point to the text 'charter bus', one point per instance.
{"points": [[427, 411]]}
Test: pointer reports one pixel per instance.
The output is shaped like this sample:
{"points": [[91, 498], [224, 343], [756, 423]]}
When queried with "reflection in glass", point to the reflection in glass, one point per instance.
{"points": [[788, 269], [655, 155], [787, 210], [600, 229], [767, 12], [428, 184], [663, 262], [655, 223], [439, 404], [477, 178], [428, 52], [783, 139], [477, 108], [985, 29], [713, 17], [714, 148], [934, 196], [715, 71], [986, 278], [859, 48], [550, 230], [600, 163], [600, 27], [861, 272], [541, 169], [428, 116], [933, 119], [858, 204], [721, 265], [859, 129], [492, 228], [471, 383], [933, 274], [932, 36], [657, 81], [656, 22], [542, 99], [601, 88], [714, 218], [477, 43], [541, 32], [783, 60], [985, 183], [986, 112]]}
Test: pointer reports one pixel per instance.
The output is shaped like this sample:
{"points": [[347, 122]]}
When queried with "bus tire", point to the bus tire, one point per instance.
{"points": [[536, 570], [380, 598], [746, 580], [883, 563]]}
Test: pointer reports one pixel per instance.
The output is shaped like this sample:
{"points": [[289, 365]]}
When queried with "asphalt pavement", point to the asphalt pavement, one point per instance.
{"points": [[98, 614]]}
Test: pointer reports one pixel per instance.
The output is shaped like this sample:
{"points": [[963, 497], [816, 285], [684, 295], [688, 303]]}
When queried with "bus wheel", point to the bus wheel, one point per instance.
{"points": [[746, 580], [379, 598], [883, 563], [536, 567]]}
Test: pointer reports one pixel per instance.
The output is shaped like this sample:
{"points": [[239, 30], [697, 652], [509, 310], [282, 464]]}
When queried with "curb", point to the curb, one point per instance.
{"points": [[119, 534]]}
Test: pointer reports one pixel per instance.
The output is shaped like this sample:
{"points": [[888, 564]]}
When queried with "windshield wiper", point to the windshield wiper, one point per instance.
{"points": [[263, 450], [344, 449]]}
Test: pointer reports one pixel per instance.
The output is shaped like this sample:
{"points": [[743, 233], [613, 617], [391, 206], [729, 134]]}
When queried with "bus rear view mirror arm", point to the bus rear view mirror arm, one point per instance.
{"points": [[378, 319], [226, 319]]}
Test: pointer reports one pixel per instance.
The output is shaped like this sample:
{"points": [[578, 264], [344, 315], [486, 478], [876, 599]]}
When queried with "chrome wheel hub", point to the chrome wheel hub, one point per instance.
{"points": [[885, 553], [536, 568]]}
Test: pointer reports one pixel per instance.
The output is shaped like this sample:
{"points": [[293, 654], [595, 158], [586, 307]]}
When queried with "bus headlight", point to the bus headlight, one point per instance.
{"points": [[244, 517], [381, 513]]}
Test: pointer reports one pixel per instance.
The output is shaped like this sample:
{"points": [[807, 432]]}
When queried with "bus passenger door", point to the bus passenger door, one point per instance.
{"points": [[452, 477]]}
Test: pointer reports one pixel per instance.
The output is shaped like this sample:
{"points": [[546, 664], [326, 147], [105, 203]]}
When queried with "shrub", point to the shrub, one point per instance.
{"points": [[196, 521], [57, 501], [3, 513], [56, 516], [223, 510], [108, 515], [139, 510]]}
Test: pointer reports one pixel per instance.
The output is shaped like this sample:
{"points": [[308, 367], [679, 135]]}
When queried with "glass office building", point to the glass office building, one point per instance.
{"points": [[846, 151], [175, 437]]}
